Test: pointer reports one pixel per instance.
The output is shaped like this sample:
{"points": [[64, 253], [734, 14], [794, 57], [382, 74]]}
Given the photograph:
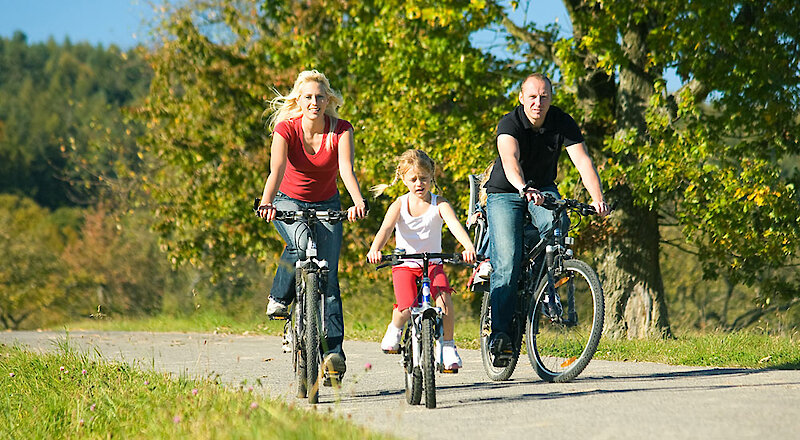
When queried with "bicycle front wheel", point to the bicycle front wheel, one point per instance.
{"points": [[561, 345], [413, 375], [311, 342], [428, 362]]}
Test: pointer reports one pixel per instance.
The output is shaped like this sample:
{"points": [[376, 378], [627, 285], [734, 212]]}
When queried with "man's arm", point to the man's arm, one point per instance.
{"points": [[508, 149], [589, 176]]}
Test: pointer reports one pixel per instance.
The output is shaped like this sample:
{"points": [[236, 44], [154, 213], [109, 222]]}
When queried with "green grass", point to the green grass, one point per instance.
{"points": [[71, 395]]}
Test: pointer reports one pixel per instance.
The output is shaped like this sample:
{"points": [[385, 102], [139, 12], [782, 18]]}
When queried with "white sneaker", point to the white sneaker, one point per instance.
{"points": [[484, 270], [276, 309], [450, 358], [391, 340]]}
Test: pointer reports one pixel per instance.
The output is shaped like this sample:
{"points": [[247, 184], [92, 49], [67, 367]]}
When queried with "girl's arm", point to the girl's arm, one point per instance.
{"points": [[387, 227], [449, 217], [347, 155], [278, 155]]}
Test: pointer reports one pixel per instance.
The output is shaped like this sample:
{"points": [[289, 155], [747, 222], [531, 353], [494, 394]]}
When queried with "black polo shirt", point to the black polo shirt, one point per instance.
{"points": [[539, 149]]}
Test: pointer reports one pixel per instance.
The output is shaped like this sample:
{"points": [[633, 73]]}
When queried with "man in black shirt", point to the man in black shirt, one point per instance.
{"points": [[529, 142]]}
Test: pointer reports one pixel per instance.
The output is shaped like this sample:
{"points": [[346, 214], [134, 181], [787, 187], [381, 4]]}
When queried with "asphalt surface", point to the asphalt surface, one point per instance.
{"points": [[609, 400]]}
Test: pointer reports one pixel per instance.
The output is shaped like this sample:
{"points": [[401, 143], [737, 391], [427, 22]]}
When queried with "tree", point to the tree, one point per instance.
{"points": [[708, 157], [30, 275]]}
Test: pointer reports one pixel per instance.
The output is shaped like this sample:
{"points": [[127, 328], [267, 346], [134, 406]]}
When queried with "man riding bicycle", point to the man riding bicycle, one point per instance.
{"points": [[529, 143]]}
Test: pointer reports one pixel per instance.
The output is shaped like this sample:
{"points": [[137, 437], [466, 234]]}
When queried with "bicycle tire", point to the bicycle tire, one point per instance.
{"points": [[413, 376], [428, 361], [496, 373], [298, 358], [560, 350], [312, 298]]}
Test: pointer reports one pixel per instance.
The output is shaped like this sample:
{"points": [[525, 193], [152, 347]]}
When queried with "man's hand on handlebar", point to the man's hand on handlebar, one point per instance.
{"points": [[601, 208], [532, 194]]}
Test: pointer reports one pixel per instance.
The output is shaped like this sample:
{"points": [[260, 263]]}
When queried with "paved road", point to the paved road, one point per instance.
{"points": [[610, 400]]}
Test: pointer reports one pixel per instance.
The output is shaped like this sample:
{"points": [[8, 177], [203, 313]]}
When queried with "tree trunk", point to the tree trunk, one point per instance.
{"points": [[634, 290], [636, 305]]}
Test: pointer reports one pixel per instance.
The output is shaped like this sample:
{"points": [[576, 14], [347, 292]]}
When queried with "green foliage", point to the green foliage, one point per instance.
{"points": [[31, 278], [55, 102], [75, 395]]}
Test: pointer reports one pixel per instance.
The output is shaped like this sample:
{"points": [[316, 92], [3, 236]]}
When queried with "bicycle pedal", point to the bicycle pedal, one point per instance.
{"points": [[278, 317], [392, 351], [450, 370]]}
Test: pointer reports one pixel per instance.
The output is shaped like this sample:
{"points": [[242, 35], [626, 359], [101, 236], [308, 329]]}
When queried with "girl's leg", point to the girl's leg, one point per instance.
{"points": [[399, 318], [445, 301]]}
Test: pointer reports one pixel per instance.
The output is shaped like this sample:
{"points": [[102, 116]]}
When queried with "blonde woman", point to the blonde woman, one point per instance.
{"points": [[416, 219], [311, 145]]}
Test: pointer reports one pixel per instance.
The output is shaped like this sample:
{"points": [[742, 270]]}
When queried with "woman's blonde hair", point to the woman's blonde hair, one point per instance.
{"points": [[410, 159], [285, 107]]}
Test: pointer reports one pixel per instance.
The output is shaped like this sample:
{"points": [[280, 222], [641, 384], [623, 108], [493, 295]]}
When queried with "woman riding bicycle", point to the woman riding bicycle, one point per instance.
{"points": [[529, 142], [310, 145], [416, 218]]}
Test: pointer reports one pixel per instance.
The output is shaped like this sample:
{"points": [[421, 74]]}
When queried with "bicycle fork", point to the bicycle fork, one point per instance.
{"points": [[425, 309]]}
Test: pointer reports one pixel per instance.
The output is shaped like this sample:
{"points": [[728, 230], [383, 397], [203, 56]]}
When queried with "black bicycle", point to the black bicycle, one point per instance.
{"points": [[306, 323], [559, 303], [425, 326]]}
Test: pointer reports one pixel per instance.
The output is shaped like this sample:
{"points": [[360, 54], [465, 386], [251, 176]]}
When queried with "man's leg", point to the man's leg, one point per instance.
{"points": [[506, 215]]}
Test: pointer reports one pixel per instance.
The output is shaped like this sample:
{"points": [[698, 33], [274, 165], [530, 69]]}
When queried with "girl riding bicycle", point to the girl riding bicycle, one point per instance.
{"points": [[417, 218]]}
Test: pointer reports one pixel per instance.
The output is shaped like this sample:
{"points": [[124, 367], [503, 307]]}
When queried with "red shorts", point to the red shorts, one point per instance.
{"points": [[404, 279]]}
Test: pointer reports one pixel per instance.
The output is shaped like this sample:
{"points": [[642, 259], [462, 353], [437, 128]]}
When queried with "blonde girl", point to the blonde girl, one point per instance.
{"points": [[416, 219]]}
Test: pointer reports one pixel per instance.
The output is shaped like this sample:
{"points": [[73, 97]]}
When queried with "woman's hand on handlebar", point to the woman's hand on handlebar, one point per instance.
{"points": [[267, 211], [374, 257], [357, 212]]}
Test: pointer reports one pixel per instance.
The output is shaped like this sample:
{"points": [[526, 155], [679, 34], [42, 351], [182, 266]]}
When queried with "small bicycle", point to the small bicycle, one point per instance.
{"points": [[306, 323], [559, 307], [425, 326]]}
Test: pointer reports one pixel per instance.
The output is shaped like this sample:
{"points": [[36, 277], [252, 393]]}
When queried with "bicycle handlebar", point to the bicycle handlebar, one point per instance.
{"points": [[330, 215], [395, 259]]}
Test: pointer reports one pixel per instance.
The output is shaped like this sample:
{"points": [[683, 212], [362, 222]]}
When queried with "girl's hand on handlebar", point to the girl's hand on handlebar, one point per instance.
{"points": [[267, 211], [374, 257], [468, 255], [357, 212]]}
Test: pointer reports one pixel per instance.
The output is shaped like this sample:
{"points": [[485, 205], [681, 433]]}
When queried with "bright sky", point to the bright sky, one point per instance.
{"points": [[103, 22]]}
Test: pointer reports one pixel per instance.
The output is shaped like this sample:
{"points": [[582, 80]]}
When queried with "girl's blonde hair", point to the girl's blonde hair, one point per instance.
{"points": [[285, 107], [411, 159]]}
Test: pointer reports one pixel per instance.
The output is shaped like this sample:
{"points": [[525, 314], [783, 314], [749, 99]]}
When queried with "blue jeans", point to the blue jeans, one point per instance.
{"points": [[506, 216], [329, 243]]}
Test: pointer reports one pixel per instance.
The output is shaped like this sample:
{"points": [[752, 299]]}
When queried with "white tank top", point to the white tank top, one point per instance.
{"points": [[419, 234]]}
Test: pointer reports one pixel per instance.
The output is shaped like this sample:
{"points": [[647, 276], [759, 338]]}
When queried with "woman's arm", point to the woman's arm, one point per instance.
{"points": [[347, 155], [387, 227], [277, 167], [458, 231]]}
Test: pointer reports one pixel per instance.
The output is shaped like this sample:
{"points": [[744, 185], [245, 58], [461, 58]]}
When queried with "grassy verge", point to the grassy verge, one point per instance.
{"points": [[69, 395]]}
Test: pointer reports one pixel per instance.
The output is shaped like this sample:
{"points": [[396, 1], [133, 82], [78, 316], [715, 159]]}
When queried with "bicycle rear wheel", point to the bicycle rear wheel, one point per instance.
{"points": [[413, 376], [559, 349], [428, 361], [496, 373], [311, 342]]}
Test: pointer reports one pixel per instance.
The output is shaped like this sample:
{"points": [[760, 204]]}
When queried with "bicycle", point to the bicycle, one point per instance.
{"points": [[560, 306], [306, 322], [425, 326]]}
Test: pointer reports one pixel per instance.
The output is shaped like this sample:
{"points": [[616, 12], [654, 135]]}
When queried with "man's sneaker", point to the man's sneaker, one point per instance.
{"points": [[276, 310], [391, 340], [501, 349], [334, 369], [451, 361], [552, 305]]}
